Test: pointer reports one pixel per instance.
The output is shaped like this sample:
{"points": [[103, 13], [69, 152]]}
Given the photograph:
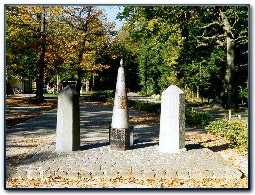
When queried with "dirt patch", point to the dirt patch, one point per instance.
{"points": [[19, 117], [144, 118], [213, 142]]}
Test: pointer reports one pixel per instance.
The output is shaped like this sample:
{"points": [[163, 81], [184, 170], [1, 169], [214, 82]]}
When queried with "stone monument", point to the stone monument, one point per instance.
{"points": [[172, 120], [68, 121], [119, 131]]}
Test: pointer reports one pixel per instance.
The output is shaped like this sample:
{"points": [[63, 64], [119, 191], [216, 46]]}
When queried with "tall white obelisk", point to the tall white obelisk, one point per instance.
{"points": [[119, 135]]}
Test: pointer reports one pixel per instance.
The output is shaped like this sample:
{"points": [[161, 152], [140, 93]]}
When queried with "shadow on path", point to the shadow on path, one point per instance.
{"points": [[212, 148], [146, 135], [143, 145], [219, 148], [44, 124], [193, 146], [94, 127], [30, 158], [95, 145]]}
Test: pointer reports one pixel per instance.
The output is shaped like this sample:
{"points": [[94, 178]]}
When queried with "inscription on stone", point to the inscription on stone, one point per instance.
{"points": [[122, 102]]}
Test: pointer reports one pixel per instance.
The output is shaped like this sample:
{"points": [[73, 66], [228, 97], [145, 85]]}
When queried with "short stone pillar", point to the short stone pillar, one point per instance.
{"points": [[119, 133], [68, 121], [172, 120]]}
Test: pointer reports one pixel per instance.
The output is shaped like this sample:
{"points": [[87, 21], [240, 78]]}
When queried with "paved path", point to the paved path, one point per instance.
{"points": [[96, 159], [136, 97]]}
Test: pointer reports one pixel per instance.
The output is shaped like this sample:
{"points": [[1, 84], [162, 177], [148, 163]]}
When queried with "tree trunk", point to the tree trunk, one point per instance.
{"points": [[93, 81], [78, 84], [229, 69], [57, 83], [87, 86], [81, 52], [41, 62], [197, 92], [230, 60], [145, 77]]}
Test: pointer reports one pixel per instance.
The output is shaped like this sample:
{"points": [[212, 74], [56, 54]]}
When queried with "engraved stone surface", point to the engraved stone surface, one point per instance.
{"points": [[68, 121], [172, 120]]}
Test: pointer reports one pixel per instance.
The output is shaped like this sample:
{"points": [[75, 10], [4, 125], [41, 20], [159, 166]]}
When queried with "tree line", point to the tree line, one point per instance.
{"points": [[201, 48], [44, 42], [198, 48]]}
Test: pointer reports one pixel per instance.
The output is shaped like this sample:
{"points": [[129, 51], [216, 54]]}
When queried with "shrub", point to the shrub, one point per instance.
{"points": [[193, 117], [100, 96], [156, 97], [197, 118], [192, 100], [234, 130], [107, 94], [144, 106], [244, 92]]}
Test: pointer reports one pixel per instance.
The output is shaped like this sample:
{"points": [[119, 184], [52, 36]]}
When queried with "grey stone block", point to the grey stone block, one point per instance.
{"points": [[68, 121], [172, 120]]}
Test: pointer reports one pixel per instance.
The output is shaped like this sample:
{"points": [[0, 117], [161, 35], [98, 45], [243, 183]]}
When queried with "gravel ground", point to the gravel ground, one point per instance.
{"points": [[142, 162], [30, 151]]}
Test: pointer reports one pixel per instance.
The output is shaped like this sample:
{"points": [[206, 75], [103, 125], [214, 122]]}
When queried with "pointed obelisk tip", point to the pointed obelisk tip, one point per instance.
{"points": [[121, 62]]}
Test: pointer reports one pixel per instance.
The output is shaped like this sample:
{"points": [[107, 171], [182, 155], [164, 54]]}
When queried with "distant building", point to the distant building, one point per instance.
{"points": [[16, 85]]}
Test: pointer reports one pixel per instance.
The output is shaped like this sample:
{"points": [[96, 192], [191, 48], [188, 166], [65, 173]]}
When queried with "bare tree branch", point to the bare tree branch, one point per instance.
{"points": [[236, 19], [241, 38], [202, 45], [211, 24], [226, 26], [212, 37], [220, 43]]}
